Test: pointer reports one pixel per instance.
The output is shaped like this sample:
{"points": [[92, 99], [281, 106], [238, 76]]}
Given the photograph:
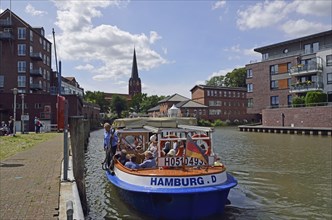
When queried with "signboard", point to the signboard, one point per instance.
{"points": [[178, 161], [25, 117]]}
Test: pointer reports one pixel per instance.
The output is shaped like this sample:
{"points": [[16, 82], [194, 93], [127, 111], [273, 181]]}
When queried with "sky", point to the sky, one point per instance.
{"points": [[179, 44]]}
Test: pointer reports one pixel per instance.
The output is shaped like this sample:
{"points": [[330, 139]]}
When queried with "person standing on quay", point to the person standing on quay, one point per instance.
{"points": [[11, 126]]}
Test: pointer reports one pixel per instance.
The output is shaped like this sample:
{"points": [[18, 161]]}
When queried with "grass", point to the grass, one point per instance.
{"points": [[10, 145]]}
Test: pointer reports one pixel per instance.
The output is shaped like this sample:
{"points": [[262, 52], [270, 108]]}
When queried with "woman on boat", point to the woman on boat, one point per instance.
{"points": [[149, 161]]}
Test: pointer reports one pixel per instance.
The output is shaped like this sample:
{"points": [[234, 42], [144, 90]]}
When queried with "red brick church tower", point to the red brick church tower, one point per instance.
{"points": [[134, 81]]}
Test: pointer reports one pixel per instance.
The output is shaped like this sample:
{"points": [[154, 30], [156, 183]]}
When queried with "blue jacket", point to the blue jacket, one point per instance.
{"points": [[107, 139], [149, 163], [131, 165]]}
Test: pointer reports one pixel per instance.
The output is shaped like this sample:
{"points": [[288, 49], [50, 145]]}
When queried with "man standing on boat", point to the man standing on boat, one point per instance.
{"points": [[110, 142]]}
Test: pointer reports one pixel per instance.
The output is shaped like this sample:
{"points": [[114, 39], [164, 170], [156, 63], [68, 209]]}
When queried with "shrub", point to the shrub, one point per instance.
{"points": [[202, 122], [218, 123], [298, 101], [314, 98]]}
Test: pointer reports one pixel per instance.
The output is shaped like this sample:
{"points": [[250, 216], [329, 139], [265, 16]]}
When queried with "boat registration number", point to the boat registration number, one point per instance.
{"points": [[178, 161]]}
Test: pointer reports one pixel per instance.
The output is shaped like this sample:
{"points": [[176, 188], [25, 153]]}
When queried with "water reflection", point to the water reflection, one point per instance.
{"points": [[281, 176]]}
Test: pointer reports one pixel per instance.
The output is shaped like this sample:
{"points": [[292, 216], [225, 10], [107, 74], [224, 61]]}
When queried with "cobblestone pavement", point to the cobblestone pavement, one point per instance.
{"points": [[30, 181]]}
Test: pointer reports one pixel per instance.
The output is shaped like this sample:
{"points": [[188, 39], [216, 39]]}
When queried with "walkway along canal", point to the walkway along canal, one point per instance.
{"points": [[280, 177]]}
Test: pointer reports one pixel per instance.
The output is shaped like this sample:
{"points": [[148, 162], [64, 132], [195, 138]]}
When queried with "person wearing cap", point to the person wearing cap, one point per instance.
{"points": [[153, 146], [171, 153], [149, 161]]}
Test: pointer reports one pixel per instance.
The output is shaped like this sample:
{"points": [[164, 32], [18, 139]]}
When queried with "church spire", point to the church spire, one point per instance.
{"points": [[134, 81], [134, 71]]}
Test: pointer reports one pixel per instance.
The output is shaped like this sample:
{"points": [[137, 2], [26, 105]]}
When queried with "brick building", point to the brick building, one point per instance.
{"points": [[25, 66], [288, 69], [224, 103]]}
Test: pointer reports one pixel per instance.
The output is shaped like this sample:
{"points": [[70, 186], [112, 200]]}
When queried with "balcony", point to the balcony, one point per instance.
{"points": [[36, 56], [5, 23], [36, 86], [6, 36], [36, 72], [306, 87], [312, 67]]}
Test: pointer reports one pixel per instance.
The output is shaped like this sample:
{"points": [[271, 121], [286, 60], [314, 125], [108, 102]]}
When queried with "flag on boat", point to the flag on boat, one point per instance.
{"points": [[193, 150]]}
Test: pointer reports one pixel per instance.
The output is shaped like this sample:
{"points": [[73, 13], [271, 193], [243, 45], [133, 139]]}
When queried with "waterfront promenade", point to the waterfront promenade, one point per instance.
{"points": [[30, 182]]}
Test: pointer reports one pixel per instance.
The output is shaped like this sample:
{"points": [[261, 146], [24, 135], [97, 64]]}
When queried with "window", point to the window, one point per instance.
{"points": [[315, 47], [2, 81], [21, 49], [225, 93], [274, 101], [265, 56], [329, 78], [307, 48], [31, 36], [289, 82], [21, 33], [208, 92], [289, 66], [289, 100], [274, 84], [249, 87], [249, 73], [329, 60], [21, 66], [21, 81], [274, 69], [38, 106]]}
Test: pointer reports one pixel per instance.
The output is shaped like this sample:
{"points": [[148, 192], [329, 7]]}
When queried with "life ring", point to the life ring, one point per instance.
{"points": [[208, 143]]}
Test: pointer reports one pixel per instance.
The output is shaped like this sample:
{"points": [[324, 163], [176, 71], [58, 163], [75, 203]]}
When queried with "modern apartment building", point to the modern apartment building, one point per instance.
{"points": [[288, 69], [224, 103], [25, 61]]}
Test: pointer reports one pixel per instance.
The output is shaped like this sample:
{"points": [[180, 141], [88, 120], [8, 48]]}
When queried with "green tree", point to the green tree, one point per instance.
{"points": [[236, 78], [136, 102], [99, 99], [150, 102], [215, 81], [119, 104]]}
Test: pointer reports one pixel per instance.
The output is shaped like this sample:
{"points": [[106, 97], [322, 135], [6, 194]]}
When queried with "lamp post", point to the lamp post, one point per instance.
{"points": [[22, 115], [15, 93]]}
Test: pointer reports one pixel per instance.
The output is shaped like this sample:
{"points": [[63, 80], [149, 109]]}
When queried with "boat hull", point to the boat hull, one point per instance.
{"points": [[180, 203]]}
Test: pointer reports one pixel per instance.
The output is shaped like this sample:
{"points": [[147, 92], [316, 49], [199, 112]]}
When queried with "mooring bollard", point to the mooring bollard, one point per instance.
{"points": [[70, 210]]}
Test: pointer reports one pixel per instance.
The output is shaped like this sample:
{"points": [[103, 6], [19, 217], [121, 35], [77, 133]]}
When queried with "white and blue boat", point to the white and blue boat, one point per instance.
{"points": [[193, 185]]}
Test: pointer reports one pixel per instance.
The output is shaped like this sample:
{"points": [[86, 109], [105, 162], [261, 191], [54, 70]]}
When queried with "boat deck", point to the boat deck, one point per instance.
{"points": [[170, 171]]}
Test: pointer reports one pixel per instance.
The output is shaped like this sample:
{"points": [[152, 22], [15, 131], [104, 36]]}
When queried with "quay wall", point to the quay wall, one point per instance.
{"points": [[320, 116]]}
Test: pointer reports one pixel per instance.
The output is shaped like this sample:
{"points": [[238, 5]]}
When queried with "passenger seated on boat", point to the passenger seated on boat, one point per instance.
{"points": [[149, 161], [167, 147], [131, 163], [153, 146], [171, 153], [123, 157], [180, 151]]}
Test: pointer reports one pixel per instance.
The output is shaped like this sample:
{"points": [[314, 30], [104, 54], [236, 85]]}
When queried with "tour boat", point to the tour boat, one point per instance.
{"points": [[192, 185]]}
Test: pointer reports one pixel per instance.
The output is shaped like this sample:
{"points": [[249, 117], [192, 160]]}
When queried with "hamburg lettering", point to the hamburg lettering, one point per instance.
{"points": [[192, 181]]}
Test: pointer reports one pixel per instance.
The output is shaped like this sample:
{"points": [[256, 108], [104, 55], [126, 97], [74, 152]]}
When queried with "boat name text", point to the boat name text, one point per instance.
{"points": [[190, 181]]}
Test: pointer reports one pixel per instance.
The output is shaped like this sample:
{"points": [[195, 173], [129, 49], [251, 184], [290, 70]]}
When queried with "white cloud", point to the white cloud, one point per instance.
{"points": [[87, 67], [153, 37], [107, 46], [317, 8], [32, 11], [262, 14], [303, 27], [218, 4]]}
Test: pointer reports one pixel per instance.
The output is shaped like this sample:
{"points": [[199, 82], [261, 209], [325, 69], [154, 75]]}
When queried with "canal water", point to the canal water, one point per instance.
{"points": [[280, 176]]}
